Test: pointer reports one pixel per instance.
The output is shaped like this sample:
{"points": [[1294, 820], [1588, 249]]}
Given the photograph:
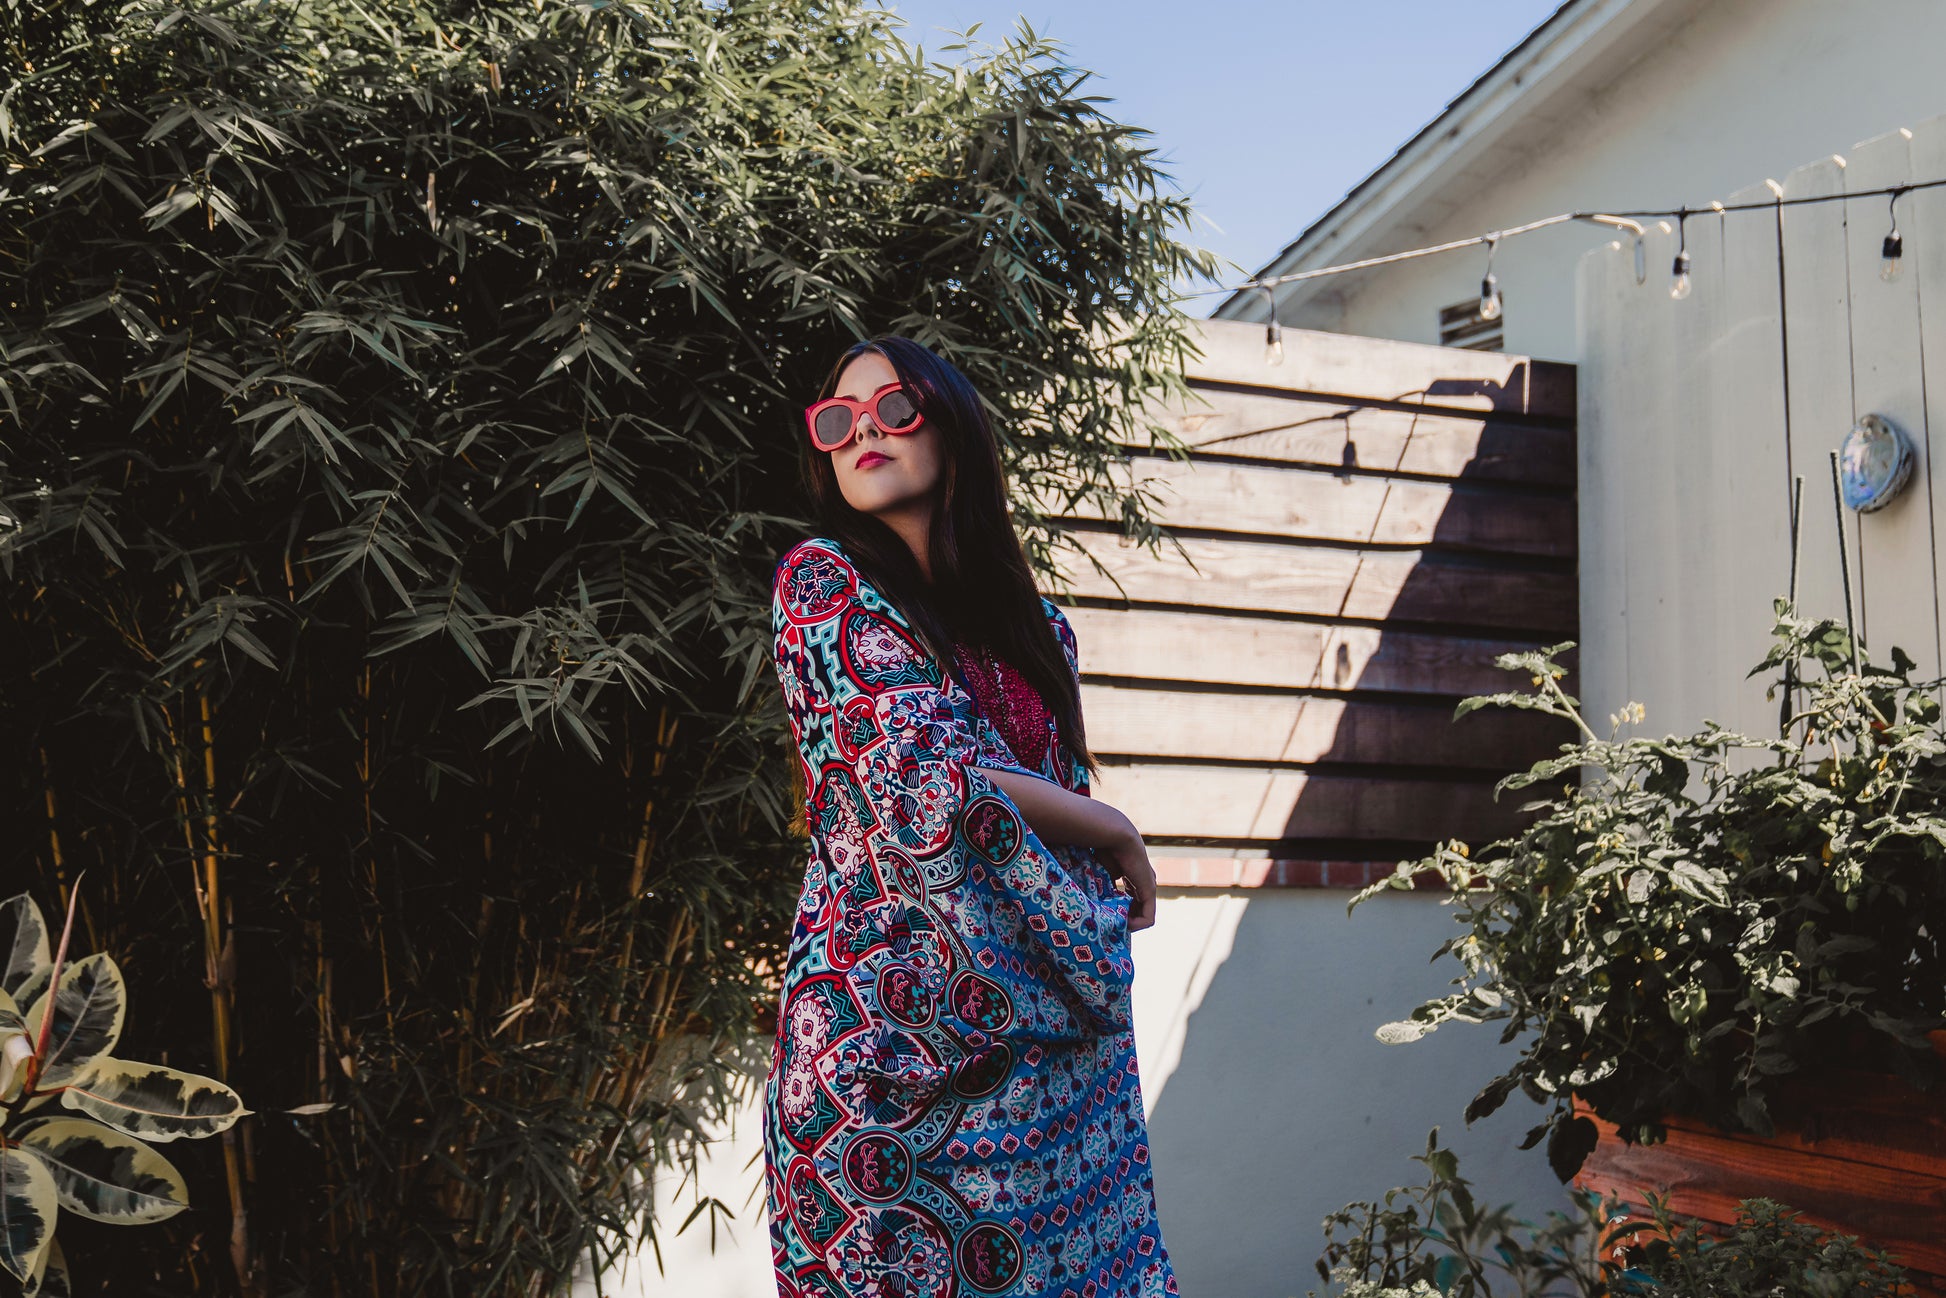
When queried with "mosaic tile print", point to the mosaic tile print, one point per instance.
{"points": [[952, 1106]]}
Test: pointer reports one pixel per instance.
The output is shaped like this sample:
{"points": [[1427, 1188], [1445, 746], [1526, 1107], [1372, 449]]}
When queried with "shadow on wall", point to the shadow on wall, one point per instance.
{"points": [[1284, 1107], [1363, 548]]}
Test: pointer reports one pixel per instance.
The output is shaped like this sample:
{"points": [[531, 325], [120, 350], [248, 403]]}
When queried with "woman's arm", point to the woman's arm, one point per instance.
{"points": [[1059, 816], [885, 753]]}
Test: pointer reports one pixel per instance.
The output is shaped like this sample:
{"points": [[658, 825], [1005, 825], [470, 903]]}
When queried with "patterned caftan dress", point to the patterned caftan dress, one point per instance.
{"points": [[952, 1108]]}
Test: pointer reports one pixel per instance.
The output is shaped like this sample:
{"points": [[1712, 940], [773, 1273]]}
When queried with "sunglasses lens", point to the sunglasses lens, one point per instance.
{"points": [[833, 427], [897, 410]]}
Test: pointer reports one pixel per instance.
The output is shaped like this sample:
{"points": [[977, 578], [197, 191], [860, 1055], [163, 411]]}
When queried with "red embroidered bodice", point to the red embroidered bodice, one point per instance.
{"points": [[1014, 706]]}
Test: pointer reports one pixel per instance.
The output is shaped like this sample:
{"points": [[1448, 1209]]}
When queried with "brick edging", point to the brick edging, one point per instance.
{"points": [[1266, 872]]}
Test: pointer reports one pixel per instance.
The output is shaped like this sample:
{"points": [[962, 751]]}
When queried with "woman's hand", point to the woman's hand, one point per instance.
{"points": [[1128, 858], [1059, 816]]}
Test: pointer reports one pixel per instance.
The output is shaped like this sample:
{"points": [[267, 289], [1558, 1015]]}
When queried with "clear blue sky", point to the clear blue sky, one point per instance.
{"points": [[1265, 111]]}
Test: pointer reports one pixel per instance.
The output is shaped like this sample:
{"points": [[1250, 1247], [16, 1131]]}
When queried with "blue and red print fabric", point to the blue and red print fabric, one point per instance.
{"points": [[952, 1109]]}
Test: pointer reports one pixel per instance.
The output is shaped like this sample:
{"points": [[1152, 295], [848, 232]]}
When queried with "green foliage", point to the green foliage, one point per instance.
{"points": [[1769, 1251], [1687, 919], [1437, 1241], [400, 426], [98, 1166], [1438, 1237]]}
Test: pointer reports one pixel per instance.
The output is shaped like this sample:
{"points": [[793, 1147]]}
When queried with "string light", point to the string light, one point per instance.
{"points": [[1490, 287], [1628, 220], [1679, 286], [1894, 247], [1273, 332]]}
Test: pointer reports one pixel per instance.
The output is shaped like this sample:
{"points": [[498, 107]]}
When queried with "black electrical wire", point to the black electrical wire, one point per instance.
{"points": [[1616, 218]]}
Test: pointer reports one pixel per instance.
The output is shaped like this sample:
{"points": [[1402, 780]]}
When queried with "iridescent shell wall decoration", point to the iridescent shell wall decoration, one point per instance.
{"points": [[1873, 463]]}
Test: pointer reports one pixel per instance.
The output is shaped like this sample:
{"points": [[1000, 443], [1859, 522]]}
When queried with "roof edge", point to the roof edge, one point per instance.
{"points": [[1488, 105]]}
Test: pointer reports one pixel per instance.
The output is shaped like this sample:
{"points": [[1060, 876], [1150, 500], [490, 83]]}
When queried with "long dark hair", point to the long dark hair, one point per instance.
{"points": [[982, 592]]}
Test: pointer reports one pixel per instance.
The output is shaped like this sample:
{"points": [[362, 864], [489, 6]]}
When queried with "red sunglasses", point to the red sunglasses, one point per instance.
{"points": [[833, 421]]}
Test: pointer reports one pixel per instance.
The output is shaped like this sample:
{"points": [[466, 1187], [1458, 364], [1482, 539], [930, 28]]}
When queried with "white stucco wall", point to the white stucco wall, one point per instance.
{"points": [[1270, 1102], [1747, 89]]}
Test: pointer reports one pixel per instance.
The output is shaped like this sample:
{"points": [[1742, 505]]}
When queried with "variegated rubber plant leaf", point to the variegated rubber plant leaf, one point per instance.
{"points": [[88, 1013], [25, 956], [54, 1281], [153, 1102], [28, 1205], [104, 1174], [16, 1047]]}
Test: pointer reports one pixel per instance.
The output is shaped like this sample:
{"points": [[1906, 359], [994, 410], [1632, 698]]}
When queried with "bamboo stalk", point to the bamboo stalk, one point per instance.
{"points": [[62, 888], [53, 826], [661, 996], [220, 958], [187, 819], [644, 851], [371, 855], [479, 935]]}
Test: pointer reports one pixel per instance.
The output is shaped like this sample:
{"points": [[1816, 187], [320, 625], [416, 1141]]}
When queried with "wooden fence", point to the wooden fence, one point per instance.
{"points": [[1697, 414], [1366, 526]]}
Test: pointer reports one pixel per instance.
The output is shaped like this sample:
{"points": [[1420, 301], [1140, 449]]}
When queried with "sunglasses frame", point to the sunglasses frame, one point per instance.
{"points": [[868, 406]]}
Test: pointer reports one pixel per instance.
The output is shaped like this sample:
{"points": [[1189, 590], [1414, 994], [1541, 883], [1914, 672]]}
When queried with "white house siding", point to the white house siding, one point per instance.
{"points": [[1270, 1102], [1687, 460], [1743, 90]]}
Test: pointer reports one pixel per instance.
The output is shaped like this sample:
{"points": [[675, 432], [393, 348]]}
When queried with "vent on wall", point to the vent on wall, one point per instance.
{"points": [[1460, 326]]}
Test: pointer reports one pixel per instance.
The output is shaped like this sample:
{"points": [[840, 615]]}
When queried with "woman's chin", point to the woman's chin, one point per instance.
{"points": [[870, 497]]}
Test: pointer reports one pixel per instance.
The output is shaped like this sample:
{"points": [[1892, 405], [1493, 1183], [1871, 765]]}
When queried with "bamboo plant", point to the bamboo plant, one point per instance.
{"points": [[397, 429]]}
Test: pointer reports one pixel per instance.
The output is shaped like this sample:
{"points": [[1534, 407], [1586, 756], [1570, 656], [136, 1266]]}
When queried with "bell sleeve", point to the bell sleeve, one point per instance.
{"points": [[905, 810]]}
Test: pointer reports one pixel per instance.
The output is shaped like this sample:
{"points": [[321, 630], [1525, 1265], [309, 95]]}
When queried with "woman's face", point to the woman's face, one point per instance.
{"points": [[877, 472]]}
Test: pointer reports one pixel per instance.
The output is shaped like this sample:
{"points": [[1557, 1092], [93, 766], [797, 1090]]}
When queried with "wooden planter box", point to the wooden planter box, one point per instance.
{"points": [[1861, 1153]]}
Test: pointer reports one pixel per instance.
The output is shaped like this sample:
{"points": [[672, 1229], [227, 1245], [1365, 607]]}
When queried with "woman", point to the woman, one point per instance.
{"points": [[952, 1106]]}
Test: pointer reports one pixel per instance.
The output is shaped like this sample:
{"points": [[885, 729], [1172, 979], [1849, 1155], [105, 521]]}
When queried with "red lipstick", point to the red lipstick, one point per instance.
{"points": [[869, 458]]}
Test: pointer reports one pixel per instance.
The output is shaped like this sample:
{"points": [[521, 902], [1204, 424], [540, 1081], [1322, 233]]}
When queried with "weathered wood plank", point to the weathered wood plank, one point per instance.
{"points": [[1341, 364], [1925, 209], [1896, 563], [1750, 478], [1681, 468], [1311, 728], [1308, 504], [1657, 457], [1374, 585], [1235, 802], [1706, 1173], [1860, 1116], [1818, 307], [1154, 644], [1381, 545], [1334, 434], [1604, 289]]}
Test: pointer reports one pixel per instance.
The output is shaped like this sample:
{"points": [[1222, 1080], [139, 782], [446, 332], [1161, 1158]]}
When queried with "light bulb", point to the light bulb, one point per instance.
{"points": [[1273, 343], [1893, 250], [1490, 298], [1679, 289]]}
